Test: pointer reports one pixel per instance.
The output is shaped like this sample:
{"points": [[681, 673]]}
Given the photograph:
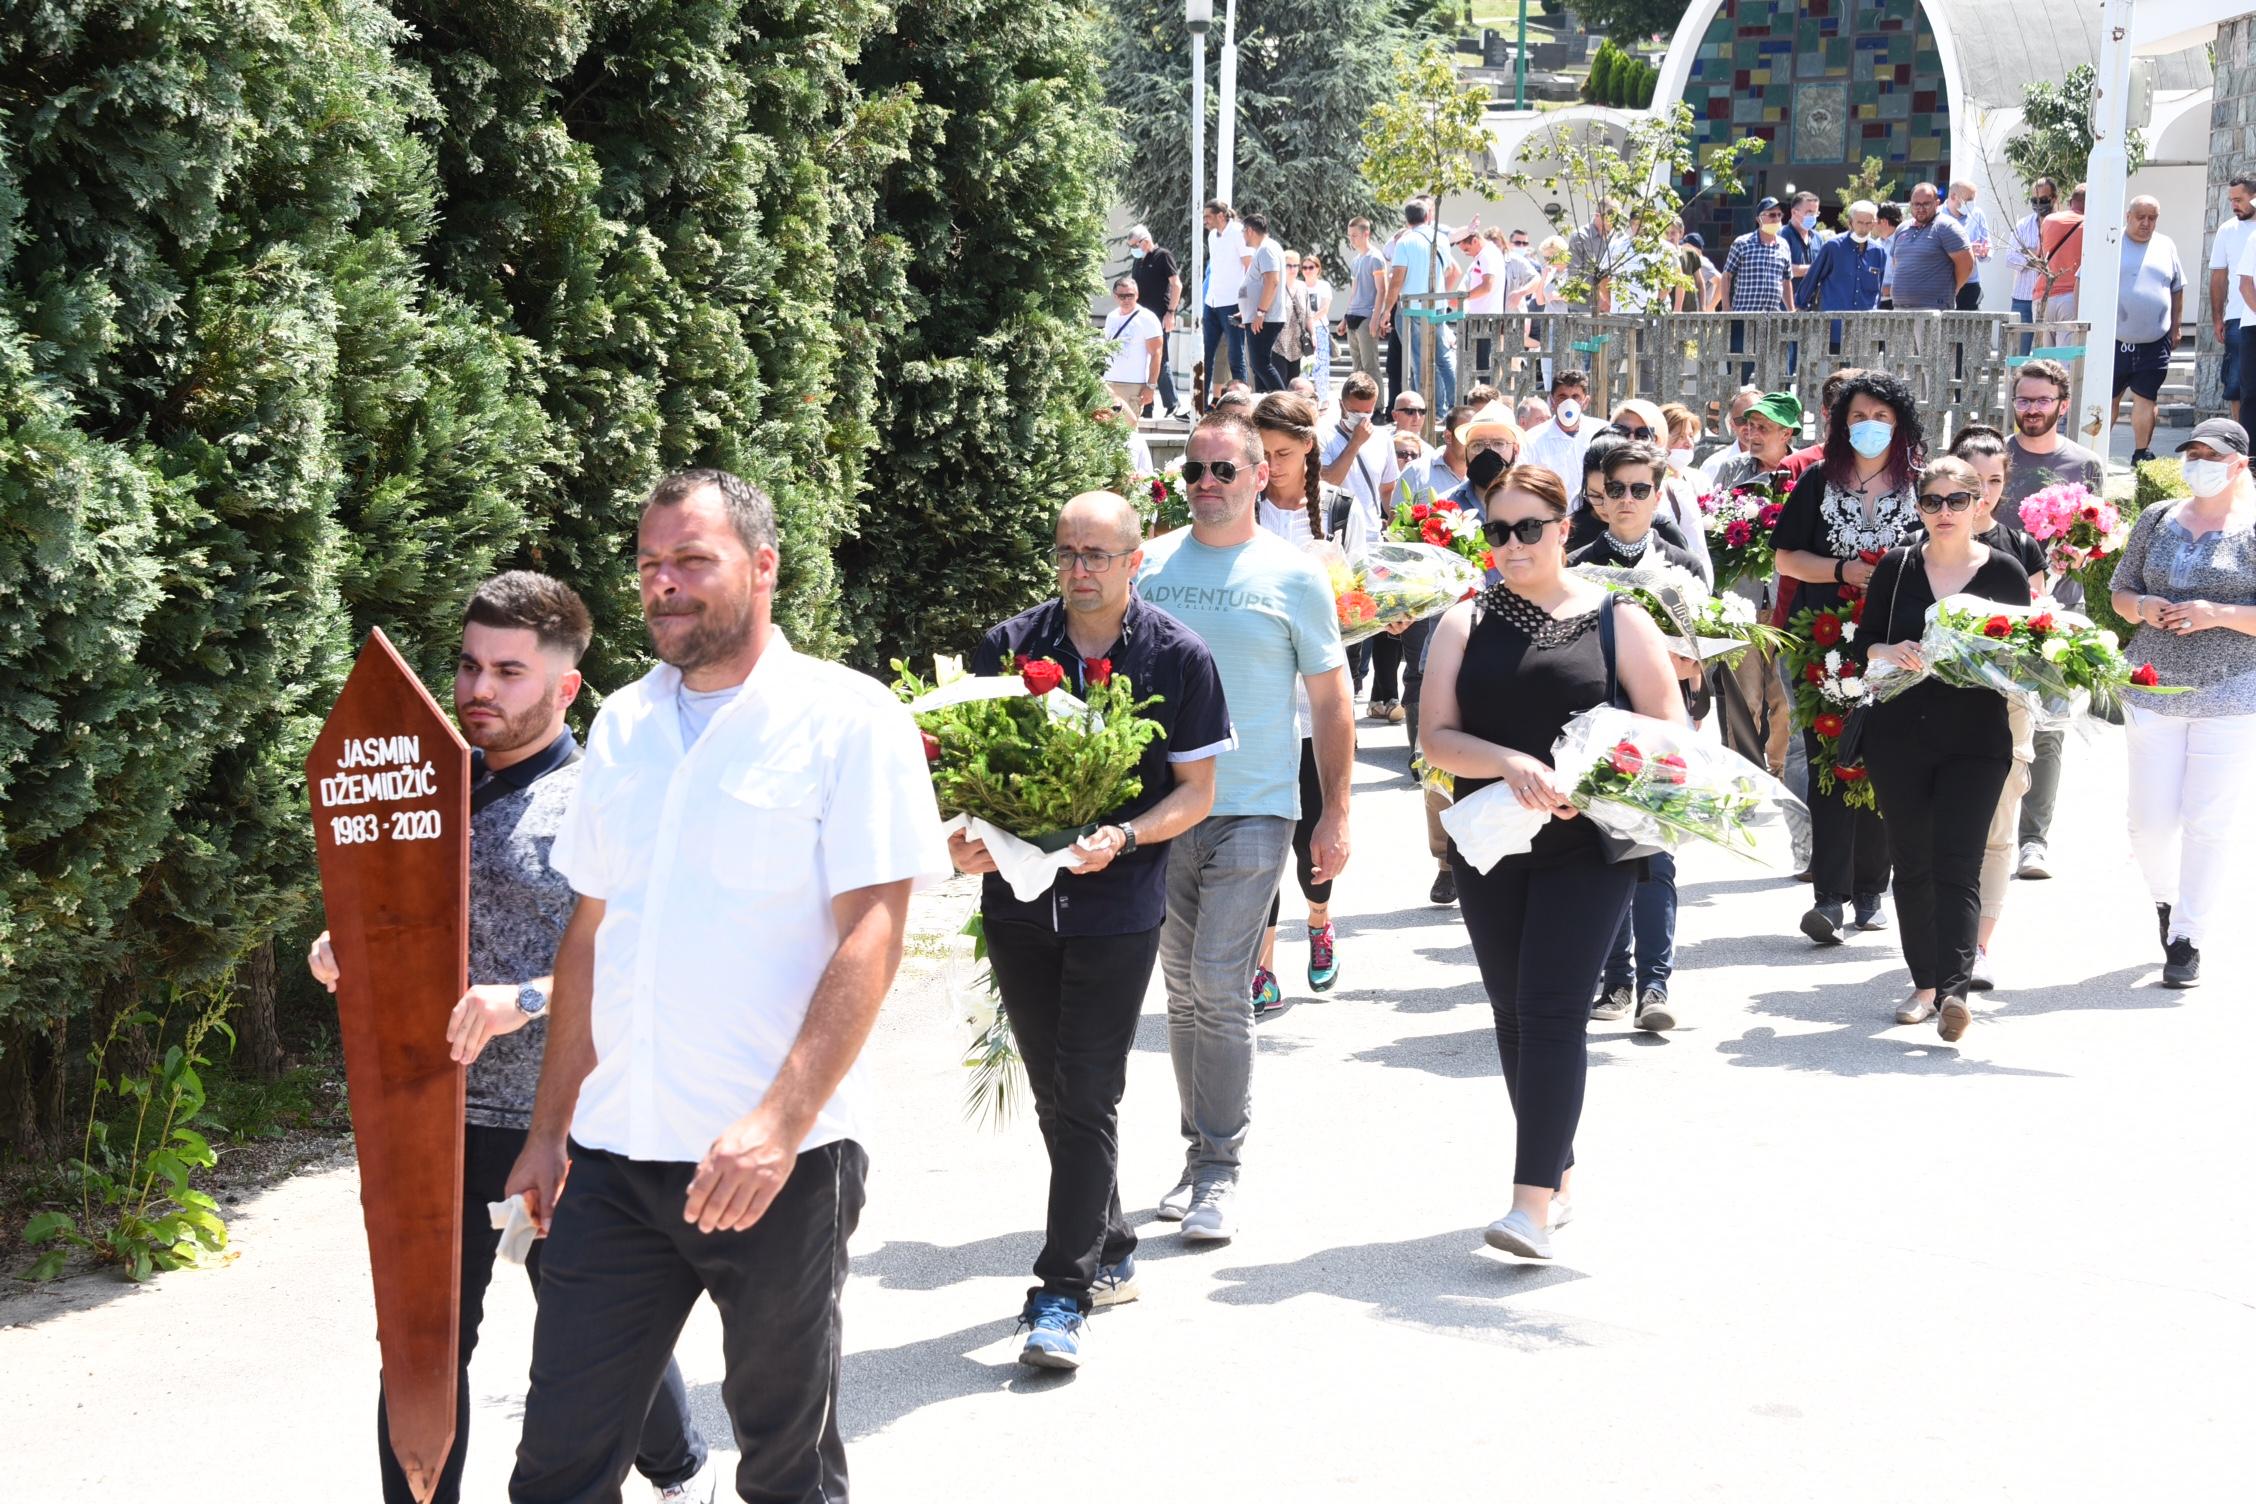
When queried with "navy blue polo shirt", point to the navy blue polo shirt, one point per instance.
{"points": [[1160, 656]]}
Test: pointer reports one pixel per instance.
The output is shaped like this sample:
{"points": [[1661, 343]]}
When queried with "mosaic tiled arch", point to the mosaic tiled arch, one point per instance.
{"points": [[1826, 82]]}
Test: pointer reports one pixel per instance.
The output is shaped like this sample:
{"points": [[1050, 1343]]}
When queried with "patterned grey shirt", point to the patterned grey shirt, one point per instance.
{"points": [[519, 906], [2164, 558]]}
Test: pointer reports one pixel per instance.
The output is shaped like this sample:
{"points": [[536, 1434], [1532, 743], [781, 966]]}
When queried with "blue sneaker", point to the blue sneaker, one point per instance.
{"points": [[1055, 1327], [1323, 961], [1268, 997], [1116, 1284]]}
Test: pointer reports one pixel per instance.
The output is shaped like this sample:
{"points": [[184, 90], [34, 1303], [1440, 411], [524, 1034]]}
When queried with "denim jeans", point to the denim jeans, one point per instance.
{"points": [[1221, 875], [2025, 309], [1215, 326], [1268, 372], [1073, 1002], [1415, 333], [2229, 375], [619, 1276], [1644, 952]]}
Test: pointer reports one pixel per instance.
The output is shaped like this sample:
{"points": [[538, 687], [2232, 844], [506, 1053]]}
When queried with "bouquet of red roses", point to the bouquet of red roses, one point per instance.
{"points": [[2054, 662], [1166, 505], [1441, 523], [1829, 683]]}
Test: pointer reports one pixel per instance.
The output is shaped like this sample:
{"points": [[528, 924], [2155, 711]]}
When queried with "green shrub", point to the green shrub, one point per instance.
{"points": [[2154, 481], [2158, 480]]}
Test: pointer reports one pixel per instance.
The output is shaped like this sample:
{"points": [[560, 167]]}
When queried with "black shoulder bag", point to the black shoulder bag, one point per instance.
{"points": [[1617, 848]]}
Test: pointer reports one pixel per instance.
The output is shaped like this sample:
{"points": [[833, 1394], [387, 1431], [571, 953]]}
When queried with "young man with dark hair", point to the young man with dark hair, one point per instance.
{"points": [[743, 844], [523, 635]]}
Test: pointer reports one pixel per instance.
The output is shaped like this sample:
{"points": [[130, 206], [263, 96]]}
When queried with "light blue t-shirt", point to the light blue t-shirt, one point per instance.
{"points": [[1414, 253], [1266, 612]]}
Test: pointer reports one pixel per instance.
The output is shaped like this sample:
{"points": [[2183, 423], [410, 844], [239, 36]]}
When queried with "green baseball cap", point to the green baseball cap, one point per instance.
{"points": [[1782, 408]]}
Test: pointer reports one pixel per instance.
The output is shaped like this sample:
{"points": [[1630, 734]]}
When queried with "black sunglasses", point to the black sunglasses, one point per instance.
{"points": [[1635, 433], [1223, 471], [1528, 530], [1408, 411], [1935, 501], [1617, 489]]}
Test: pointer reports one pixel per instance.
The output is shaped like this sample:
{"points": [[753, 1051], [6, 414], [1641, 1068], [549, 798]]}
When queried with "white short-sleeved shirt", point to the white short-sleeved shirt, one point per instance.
{"points": [[1130, 335], [1488, 262], [2224, 256], [1225, 265], [1371, 478], [716, 868]]}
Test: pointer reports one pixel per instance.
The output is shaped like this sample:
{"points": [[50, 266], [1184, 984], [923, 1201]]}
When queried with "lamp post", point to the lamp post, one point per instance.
{"points": [[1226, 129], [1198, 15], [1519, 64]]}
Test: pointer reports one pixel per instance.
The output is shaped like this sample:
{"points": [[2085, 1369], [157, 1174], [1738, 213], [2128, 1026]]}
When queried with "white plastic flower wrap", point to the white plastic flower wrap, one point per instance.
{"points": [[1697, 622], [1398, 583], [1660, 784], [1650, 782]]}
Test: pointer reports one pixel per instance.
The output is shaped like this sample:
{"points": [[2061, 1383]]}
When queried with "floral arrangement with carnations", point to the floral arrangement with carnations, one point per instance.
{"points": [[1697, 622], [2082, 528], [2054, 662], [1650, 782], [1443, 524], [1739, 524], [1829, 683], [1163, 499], [1397, 583]]}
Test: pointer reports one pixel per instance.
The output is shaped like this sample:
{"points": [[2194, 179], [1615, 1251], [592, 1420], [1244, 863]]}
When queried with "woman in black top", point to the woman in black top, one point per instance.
{"points": [[1506, 672], [1847, 510], [1939, 754]]}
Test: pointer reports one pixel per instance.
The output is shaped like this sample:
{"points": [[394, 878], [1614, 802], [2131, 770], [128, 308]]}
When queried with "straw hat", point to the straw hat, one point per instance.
{"points": [[1494, 420]]}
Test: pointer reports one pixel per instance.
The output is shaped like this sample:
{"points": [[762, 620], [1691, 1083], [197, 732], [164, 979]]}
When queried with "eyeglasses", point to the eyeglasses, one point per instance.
{"points": [[1528, 530], [2034, 404], [1519, 245], [1405, 410], [1223, 471], [1616, 490], [1125, 294], [1096, 561], [1639, 432], [1492, 446], [1935, 501]]}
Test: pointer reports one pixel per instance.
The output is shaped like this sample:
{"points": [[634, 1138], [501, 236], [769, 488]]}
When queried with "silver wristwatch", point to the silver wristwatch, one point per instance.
{"points": [[531, 1001]]}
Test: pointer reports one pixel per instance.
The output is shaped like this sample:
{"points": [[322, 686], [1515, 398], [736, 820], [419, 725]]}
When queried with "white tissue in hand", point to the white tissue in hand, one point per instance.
{"points": [[513, 1219]]}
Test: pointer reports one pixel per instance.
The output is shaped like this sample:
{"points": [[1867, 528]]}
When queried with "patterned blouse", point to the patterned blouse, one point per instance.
{"points": [[1823, 518], [2164, 558]]}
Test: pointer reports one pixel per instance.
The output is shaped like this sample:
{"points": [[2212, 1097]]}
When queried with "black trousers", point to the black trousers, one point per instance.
{"points": [[1304, 835], [1394, 362], [619, 1276], [1269, 373], [1938, 798], [1386, 666], [1848, 846], [669, 1451], [1073, 1003], [1540, 936]]}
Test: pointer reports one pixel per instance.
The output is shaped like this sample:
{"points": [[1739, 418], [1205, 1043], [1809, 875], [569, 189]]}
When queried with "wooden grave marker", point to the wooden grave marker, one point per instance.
{"points": [[389, 781]]}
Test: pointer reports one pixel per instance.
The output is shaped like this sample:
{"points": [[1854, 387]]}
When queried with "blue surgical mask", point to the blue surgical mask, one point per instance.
{"points": [[1871, 437]]}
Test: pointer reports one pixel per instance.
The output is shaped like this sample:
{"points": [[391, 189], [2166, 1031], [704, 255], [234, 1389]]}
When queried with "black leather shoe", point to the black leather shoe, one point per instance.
{"points": [[2183, 969], [1871, 914], [1823, 923], [1444, 888]]}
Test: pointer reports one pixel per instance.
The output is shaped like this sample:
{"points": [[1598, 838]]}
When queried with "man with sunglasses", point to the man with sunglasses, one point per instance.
{"points": [[2038, 455], [1138, 347], [1266, 612], [1073, 964]]}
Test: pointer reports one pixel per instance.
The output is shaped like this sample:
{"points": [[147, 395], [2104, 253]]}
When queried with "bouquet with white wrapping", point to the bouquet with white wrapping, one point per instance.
{"points": [[1648, 782]]}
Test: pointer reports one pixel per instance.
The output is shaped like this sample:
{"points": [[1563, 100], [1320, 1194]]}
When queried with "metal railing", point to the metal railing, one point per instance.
{"points": [[1960, 366]]}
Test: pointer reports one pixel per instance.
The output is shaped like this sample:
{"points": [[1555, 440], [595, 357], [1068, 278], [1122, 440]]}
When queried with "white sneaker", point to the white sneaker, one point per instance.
{"points": [[1981, 979], [1175, 1203], [697, 1490], [1562, 1212], [1213, 1214], [2036, 862], [1516, 1232]]}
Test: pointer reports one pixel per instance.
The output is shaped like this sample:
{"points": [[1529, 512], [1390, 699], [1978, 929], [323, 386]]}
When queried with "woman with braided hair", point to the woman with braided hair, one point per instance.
{"points": [[1300, 508]]}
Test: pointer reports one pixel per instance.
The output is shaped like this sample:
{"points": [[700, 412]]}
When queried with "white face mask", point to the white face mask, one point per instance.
{"points": [[1681, 458], [2207, 477], [1568, 413]]}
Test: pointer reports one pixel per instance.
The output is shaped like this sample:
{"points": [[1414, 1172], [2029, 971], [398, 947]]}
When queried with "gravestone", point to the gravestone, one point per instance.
{"points": [[389, 780], [1496, 49]]}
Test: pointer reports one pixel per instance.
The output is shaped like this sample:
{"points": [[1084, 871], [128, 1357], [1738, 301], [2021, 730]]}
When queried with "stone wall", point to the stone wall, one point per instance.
{"points": [[2232, 148]]}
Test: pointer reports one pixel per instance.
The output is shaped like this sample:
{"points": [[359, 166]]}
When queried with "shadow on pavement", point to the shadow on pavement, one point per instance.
{"points": [[1418, 915], [1776, 951], [1421, 999], [1461, 1057], [1444, 1283], [907, 1265], [1905, 1049], [886, 1384]]}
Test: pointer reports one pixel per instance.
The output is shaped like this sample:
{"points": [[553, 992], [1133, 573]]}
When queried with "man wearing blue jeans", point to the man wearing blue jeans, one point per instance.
{"points": [[1266, 612], [1226, 258]]}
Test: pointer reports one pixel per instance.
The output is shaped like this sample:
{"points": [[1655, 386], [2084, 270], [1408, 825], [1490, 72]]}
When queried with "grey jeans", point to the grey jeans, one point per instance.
{"points": [[2044, 788], [1221, 874]]}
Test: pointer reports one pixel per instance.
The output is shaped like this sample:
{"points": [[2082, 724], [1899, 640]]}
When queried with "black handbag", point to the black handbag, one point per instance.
{"points": [[1848, 747], [1617, 848]]}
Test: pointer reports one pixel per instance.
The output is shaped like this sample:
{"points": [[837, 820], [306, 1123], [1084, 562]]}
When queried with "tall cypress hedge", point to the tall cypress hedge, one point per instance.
{"points": [[314, 312]]}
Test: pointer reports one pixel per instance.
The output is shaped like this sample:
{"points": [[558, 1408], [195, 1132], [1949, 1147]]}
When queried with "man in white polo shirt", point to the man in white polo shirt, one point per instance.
{"points": [[1137, 344], [748, 826]]}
